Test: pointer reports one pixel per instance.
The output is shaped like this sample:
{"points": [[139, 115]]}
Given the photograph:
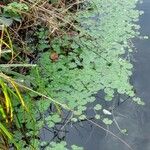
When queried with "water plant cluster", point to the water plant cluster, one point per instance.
{"points": [[55, 57]]}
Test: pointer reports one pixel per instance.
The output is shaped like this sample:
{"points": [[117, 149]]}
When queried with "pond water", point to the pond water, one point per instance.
{"points": [[135, 118]]}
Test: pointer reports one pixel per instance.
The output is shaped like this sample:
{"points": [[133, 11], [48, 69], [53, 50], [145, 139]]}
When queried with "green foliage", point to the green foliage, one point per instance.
{"points": [[52, 120], [124, 131], [43, 41], [138, 101], [62, 146], [97, 116], [107, 121], [74, 147], [12, 12], [92, 60], [98, 107], [57, 146]]}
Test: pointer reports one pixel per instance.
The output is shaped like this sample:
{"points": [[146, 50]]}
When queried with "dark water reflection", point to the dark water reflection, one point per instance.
{"points": [[135, 118]]}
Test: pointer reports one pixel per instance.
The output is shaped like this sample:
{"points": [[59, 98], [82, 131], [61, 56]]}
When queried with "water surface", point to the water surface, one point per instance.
{"points": [[135, 118]]}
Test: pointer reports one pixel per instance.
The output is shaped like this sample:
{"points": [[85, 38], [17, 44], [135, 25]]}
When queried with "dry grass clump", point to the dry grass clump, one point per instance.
{"points": [[57, 16]]}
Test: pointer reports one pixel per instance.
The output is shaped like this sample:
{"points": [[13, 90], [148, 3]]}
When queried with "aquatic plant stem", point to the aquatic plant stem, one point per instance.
{"points": [[111, 133]]}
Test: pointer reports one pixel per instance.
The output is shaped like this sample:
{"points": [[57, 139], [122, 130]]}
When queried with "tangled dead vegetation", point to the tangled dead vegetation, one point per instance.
{"points": [[58, 16]]}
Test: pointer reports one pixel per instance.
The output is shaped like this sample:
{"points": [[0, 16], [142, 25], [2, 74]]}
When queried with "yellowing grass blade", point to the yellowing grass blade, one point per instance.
{"points": [[38, 93], [9, 45], [8, 104], [1, 39], [19, 95], [10, 41]]}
